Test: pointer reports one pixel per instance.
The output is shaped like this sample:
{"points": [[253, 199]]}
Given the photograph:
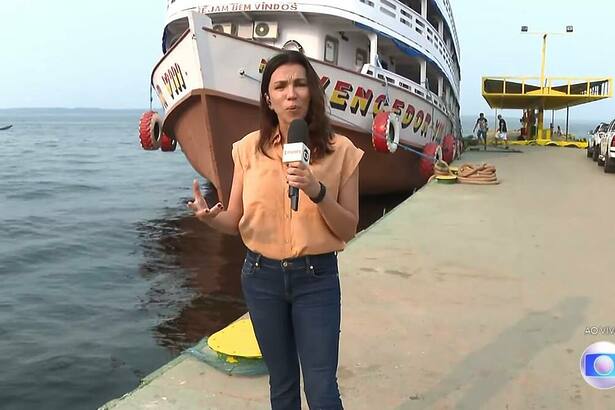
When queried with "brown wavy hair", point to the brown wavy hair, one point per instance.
{"points": [[321, 133]]}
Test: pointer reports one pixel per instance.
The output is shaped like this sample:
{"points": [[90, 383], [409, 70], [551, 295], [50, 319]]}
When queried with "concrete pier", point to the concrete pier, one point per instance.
{"points": [[463, 297]]}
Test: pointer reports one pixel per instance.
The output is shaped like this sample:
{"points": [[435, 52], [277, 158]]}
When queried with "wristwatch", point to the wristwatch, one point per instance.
{"points": [[321, 195]]}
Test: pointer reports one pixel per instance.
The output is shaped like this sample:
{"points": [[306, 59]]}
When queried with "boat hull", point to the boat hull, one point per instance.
{"points": [[203, 123]]}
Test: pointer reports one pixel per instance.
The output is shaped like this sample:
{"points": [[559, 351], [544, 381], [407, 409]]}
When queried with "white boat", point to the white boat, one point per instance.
{"points": [[371, 56]]}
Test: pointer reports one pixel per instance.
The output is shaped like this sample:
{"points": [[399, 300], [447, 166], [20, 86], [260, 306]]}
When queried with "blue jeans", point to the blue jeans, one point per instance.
{"points": [[481, 135], [295, 309]]}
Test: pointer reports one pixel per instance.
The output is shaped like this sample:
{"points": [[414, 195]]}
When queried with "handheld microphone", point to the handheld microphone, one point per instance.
{"points": [[296, 150]]}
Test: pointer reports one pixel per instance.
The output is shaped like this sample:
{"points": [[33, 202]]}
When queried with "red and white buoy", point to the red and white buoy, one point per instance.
{"points": [[150, 126], [385, 132], [385, 139], [431, 153], [449, 148], [167, 143]]}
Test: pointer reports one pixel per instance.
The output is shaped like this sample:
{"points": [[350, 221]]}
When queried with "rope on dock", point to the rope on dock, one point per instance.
{"points": [[442, 172], [483, 174], [476, 174]]}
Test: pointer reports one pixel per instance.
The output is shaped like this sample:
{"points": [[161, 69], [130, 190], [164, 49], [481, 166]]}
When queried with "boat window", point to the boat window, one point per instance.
{"points": [[293, 45], [360, 58], [331, 50], [383, 63], [413, 4], [172, 32]]}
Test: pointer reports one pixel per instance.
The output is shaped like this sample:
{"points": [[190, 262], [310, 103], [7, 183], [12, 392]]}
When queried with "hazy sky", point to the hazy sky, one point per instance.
{"points": [[69, 53]]}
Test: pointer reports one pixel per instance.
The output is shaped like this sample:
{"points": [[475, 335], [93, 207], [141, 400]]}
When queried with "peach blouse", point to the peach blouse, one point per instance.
{"points": [[268, 225]]}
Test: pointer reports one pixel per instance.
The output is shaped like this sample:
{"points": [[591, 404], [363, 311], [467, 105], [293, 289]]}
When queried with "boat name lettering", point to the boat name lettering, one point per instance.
{"points": [[362, 98], [173, 80], [325, 82], [340, 95], [163, 100], [408, 116], [398, 105], [361, 101], [256, 6], [380, 103], [420, 116]]}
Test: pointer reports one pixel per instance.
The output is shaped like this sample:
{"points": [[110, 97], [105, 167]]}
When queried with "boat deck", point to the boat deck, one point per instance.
{"points": [[463, 297]]}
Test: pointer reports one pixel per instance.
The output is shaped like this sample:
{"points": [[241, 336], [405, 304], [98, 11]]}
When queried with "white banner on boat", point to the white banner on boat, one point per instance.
{"points": [[254, 6]]}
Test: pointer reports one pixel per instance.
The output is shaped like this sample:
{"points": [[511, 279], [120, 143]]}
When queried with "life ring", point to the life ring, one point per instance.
{"points": [[449, 146], [434, 152], [167, 143], [385, 132], [150, 126]]}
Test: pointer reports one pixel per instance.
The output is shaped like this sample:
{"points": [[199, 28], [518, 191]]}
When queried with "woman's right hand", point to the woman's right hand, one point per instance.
{"points": [[201, 210]]}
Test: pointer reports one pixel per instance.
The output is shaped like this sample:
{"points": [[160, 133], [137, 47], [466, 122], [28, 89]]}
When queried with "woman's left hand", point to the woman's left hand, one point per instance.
{"points": [[299, 175]]}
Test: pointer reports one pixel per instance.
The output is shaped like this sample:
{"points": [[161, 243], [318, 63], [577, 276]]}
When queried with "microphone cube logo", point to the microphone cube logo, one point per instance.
{"points": [[306, 155], [296, 152], [598, 365]]}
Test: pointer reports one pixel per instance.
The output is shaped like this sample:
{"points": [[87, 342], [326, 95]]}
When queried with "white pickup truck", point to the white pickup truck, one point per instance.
{"points": [[593, 143], [606, 149]]}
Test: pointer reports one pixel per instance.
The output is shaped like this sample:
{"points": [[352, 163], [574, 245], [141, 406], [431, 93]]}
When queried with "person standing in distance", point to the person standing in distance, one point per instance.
{"points": [[483, 126], [290, 274], [502, 130]]}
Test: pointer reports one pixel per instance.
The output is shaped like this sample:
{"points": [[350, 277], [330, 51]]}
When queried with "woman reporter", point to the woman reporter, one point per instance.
{"points": [[290, 274]]}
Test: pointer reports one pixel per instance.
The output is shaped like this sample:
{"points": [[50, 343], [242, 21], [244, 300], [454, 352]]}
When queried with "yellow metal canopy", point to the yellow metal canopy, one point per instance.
{"points": [[557, 93]]}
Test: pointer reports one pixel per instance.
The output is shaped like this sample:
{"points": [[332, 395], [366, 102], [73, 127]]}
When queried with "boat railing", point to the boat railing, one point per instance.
{"points": [[446, 5], [401, 20], [562, 86], [391, 78], [176, 8], [416, 23]]}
